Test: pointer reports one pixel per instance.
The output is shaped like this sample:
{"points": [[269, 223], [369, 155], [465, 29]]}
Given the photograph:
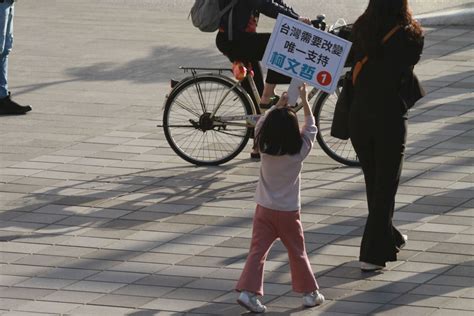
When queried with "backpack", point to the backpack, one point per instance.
{"points": [[206, 14]]}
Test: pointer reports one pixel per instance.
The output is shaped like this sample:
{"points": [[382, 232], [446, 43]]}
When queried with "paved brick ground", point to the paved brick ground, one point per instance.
{"points": [[98, 216]]}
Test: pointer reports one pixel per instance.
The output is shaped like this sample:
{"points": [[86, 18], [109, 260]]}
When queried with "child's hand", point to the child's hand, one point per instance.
{"points": [[303, 92], [283, 102]]}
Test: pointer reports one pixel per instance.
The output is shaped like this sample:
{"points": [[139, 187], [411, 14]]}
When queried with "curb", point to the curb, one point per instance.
{"points": [[461, 16]]}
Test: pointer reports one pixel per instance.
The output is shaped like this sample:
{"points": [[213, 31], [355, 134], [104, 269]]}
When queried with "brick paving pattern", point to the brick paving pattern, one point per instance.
{"points": [[99, 216]]}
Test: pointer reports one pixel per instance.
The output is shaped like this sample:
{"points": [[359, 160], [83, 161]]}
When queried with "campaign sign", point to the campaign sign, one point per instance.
{"points": [[301, 51]]}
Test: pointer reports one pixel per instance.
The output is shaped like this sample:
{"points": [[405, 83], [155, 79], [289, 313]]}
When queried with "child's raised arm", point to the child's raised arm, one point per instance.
{"points": [[304, 100], [309, 129]]}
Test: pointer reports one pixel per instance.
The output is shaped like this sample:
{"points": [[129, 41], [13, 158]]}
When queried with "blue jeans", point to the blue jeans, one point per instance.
{"points": [[6, 43]]}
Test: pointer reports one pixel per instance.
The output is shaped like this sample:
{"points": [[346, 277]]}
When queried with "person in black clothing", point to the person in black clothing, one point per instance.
{"points": [[378, 118], [244, 44]]}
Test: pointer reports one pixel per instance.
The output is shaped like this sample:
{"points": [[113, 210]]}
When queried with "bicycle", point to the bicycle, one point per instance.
{"points": [[208, 117]]}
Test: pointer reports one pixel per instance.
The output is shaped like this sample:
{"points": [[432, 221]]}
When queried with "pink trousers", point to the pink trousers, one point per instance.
{"points": [[268, 225]]}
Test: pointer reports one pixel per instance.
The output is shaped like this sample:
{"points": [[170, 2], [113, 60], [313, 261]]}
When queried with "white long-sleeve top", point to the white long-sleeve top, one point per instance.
{"points": [[279, 184]]}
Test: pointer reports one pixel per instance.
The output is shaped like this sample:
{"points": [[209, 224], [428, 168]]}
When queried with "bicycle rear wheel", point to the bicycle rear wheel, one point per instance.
{"points": [[189, 128], [338, 149]]}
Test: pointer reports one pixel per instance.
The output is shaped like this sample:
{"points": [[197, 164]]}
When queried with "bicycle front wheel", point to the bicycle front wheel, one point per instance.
{"points": [[197, 136], [338, 149]]}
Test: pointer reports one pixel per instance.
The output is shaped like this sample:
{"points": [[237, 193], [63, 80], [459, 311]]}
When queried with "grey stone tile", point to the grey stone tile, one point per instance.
{"points": [[422, 267], [453, 220], [165, 280], [460, 303], [10, 303], [101, 310], [24, 293], [144, 290], [48, 307], [22, 270], [209, 262], [433, 257], [370, 297], [351, 307], [161, 258], [94, 286], [396, 310], [139, 267], [173, 305], [451, 312], [122, 300], [194, 294], [212, 284], [183, 249], [439, 290], [442, 228], [91, 264], [45, 283], [410, 277], [68, 274], [111, 254], [452, 281], [422, 300], [117, 276], [9, 280], [464, 249], [188, 271], [467, 271], [71, 297]]}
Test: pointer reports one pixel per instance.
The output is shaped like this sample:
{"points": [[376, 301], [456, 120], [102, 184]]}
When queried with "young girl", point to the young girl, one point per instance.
{"points": [[283, 147]]}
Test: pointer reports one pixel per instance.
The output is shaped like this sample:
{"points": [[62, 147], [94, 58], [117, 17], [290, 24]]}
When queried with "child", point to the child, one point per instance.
{"points": [[283, 147]]}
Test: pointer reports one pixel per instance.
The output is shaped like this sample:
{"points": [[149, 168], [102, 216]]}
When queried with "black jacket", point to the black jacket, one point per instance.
{"points": [[387, 84], [244, 9]]}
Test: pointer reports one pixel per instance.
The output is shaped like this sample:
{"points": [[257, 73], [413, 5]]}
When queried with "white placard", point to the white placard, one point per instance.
{"points": [[301, 51]]}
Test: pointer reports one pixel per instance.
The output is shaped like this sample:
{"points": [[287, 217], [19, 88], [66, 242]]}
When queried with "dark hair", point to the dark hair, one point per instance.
{"points": [[377, 20], [280, 133]]}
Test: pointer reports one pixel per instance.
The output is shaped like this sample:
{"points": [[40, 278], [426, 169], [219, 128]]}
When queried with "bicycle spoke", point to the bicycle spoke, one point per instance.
{"points": [[181, 105], [195, 136]]}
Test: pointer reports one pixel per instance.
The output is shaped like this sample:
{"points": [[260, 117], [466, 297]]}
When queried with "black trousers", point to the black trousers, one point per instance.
{"points": [[380, 146], [249, 48]]}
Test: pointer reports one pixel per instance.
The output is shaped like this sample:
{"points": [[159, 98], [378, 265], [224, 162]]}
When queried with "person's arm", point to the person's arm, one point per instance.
{"points": [[272, 8], [309, 129]]}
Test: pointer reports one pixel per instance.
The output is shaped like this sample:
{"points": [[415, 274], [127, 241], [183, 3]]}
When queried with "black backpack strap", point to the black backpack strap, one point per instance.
{"points": [[230, 6]]}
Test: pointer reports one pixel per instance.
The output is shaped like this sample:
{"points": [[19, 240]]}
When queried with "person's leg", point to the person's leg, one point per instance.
{"points": [[250, 47], [382, 168], [263, 236], [363, 144], [7, 105], [291, 235], [389, 152], [6, 41]]}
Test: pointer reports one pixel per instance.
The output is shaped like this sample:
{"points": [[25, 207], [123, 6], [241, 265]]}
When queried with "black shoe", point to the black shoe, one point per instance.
{"points": [[273, 101], [255, 156], [10, 107]]}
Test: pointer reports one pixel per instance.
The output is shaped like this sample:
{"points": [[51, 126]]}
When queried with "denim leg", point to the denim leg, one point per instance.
{"points": [[6, 43]]}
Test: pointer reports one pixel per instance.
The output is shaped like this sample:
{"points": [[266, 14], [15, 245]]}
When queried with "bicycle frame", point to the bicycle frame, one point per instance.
{"points": [[248, 120]]}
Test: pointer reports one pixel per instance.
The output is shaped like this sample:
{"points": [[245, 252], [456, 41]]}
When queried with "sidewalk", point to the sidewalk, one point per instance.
{"points": [[100, 217]]}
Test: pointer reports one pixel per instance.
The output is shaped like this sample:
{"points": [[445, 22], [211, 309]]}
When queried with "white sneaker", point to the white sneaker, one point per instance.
{"points": [[251, 302], [405, 239], [365, 266], [313, 299]]}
